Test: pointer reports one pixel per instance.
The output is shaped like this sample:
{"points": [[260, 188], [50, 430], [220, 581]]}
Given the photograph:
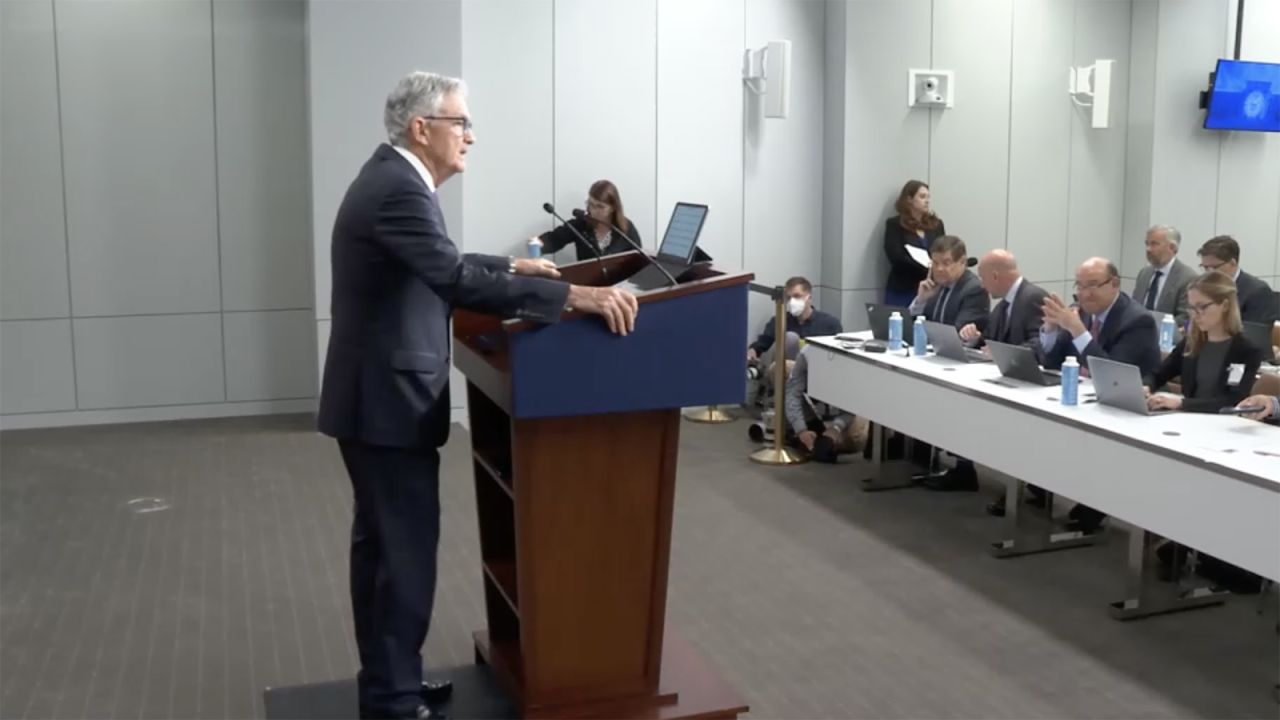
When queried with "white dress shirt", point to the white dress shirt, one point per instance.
{"points": [[417, 165]]}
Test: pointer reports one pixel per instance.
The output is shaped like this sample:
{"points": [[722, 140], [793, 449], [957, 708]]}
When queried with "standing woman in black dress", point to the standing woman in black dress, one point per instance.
{"points": [[915, 224]]}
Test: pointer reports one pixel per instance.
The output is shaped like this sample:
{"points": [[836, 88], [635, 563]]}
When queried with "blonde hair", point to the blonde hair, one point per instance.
{"points": [[1220, 289]]}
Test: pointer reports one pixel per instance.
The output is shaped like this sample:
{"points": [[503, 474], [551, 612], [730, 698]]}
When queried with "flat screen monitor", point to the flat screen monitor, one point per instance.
{"points": [[681, 238], [1244, 96]]}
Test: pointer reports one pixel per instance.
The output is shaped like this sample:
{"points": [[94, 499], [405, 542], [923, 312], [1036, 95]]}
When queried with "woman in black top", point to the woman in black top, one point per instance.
{"points": [[1216, 362], [604, 205], [914, 225]]}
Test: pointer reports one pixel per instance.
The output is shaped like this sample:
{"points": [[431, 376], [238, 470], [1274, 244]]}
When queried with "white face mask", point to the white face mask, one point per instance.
{"points": [[795, 306]]}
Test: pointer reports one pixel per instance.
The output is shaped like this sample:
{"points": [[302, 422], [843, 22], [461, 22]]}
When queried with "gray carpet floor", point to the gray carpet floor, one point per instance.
{"points": [[178, 569]]}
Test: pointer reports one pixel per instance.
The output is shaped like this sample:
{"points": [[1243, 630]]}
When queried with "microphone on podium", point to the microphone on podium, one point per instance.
{"points": [[551, 209], [582, 215]]}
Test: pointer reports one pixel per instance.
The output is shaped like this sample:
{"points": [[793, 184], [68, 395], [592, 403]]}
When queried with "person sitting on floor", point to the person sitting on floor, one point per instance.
{"points": [[825, 432]]}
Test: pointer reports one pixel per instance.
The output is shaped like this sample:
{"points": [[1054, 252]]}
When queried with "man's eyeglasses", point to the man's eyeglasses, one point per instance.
{"points": [[1211, 268], [1092, 286], [459, 121]]}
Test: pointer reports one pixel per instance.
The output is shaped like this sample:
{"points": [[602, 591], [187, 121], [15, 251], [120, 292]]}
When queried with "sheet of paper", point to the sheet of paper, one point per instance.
{"points": [[919, 255]]}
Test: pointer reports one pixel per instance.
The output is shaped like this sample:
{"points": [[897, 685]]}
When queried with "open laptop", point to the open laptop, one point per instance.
{"points": [[878, 318], [947, 343], [679, 249], [1019, 362], [1120, 385], [1259, 335]]}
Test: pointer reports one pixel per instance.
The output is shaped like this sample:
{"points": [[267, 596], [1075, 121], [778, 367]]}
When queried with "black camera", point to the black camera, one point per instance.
{"points": [[754, 369]]}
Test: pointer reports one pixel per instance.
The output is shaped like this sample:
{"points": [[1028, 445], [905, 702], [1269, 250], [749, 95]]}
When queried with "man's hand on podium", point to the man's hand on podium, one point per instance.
{"points": [[538, 267], [617, 307]]}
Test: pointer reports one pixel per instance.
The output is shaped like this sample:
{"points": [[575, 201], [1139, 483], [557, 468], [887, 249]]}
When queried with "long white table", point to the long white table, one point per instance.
{"points": [[1210, 482]]}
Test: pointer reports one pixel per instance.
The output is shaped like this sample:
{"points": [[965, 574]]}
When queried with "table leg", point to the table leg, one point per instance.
{"points": [[1022, 540], [885, 474], [1147, 596]]}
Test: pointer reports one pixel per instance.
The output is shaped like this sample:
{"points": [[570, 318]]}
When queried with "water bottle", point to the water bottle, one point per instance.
{"points": [[918, 338], [895, 330], [535, 248], [1166, 333], [1070, 380]]}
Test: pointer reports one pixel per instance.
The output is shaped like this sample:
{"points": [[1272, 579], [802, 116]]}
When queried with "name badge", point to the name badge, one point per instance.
{"points": [[1235, 373]]}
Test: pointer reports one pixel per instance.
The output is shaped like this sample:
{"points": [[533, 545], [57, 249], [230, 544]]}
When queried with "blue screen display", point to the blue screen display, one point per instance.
{"points": [[1245, 96]]}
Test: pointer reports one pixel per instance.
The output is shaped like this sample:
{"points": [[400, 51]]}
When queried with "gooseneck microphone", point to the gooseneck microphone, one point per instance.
{"points": [[581, 215], [551, 209]]}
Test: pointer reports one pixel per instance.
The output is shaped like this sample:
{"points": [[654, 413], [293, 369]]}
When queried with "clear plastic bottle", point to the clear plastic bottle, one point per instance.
{"points": [[918, 337], [1167, 329], [535, 248], [895, 330], [1070, 381]]}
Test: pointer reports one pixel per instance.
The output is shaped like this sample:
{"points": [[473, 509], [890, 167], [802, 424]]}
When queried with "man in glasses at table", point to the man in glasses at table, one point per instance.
{"points": [[1108, 324]]}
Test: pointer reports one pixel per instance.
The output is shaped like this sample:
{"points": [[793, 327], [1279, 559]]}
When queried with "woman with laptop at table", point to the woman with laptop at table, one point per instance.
{"points": [[604, 206], [1218, 365], [916, 226], [1215, 361]]}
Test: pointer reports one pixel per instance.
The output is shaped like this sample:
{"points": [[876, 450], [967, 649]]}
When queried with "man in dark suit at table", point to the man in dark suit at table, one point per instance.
{"points": [[1107, 324], [1162, 282], [1257, 301], [1015, 320], [1017, 316], [385, 396], [950, 294], [954, 296]]}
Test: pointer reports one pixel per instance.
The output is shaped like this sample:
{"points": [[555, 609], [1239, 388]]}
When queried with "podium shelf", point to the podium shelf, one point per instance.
{"points": [[502, 573]]}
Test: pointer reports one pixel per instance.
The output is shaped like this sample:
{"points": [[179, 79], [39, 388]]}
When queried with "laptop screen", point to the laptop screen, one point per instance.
{"points": [[682, 232]]}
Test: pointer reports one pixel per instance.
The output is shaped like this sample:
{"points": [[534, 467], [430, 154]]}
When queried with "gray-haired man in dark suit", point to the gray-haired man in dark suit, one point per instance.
{"points": [[385, 397]]}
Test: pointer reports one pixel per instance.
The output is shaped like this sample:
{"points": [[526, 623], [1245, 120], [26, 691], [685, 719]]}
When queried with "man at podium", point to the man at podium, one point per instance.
{"points": [[385, 395]]}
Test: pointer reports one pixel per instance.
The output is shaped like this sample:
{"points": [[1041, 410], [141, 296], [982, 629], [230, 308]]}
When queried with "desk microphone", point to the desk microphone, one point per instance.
{"points": [[548, 207], [581, 215]]}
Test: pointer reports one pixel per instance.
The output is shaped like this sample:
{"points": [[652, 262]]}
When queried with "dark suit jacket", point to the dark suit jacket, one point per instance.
{"points": [[554, 240], [1257, 301], [1129, 336], [968, 302], [905, 274], [1022, 326], [396, 278], [1173, 296], [1222, 394]]}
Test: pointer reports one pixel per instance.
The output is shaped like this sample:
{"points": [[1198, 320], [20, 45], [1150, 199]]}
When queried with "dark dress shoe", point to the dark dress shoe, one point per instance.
{"points": [[421, 712], [1085, 519], [996, 507], [436, 692], [959, 478]]}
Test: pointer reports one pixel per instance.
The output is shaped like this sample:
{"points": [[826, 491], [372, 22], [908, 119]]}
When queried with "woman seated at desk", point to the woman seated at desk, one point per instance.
{"points": [[604, 206], [1216, 362], [1218, 366]]}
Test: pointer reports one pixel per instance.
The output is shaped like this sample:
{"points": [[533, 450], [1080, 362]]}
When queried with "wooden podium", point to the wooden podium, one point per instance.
{"points": [[574, 435]]}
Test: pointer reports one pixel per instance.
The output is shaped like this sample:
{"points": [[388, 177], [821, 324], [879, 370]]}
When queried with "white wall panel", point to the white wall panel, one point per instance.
{"points": [[699, 125], [509, 168], [1040, 137], [149, 360], [269, 354], [36, 373], [33, 234], [264, 204], [605, 119], [969, 160], [1096, 222], [1184, 167], [136, 82], [886, 143]]}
